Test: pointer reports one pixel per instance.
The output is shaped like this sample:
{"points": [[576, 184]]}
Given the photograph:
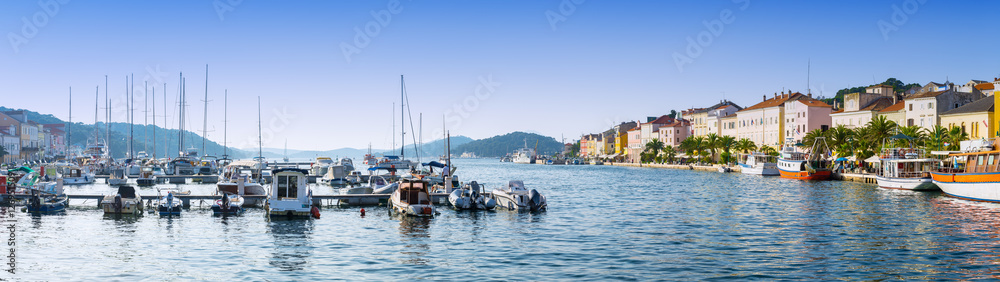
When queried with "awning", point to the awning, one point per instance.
{"points": [[872, 159], [613, 156], [434, 164]]}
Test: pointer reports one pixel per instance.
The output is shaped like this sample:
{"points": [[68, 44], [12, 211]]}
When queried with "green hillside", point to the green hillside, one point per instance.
{"points": [[501, 145]]}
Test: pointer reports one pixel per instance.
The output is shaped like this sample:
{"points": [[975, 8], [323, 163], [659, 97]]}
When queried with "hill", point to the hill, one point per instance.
{"points": [[501, 145]]}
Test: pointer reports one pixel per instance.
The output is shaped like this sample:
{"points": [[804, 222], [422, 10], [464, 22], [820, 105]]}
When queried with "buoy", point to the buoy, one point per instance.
{"points": [[362, 212], [315, 212]]}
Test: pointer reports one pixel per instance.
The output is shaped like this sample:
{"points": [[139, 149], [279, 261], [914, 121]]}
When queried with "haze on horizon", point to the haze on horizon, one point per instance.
{"points": [[328, 72]]}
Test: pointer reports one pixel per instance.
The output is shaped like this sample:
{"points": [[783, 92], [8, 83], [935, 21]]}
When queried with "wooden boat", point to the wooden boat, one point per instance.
{"points": [[42, 202], [802, 166], [973, 175], [290, 194], [125, 201], [516, 197], [412, 198], [907, 169]]}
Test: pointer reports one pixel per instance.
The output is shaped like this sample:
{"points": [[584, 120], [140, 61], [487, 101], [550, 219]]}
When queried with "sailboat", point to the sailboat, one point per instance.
{"points": [[391, 162]]}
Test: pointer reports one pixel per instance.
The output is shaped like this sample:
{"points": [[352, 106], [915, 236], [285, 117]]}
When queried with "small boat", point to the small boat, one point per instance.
{"points": [[724, 169], [146, 177], [239, 183], [118, 177], [290, 194], [412, 198], [759, 164], [229, 204], [907, 169], [320, 166], [125, 201], [470, 197], [336, 175], [73, 174], [516, 197], [348, 164], [46, 198], [168, 205], [797, 165], [977, 179]]}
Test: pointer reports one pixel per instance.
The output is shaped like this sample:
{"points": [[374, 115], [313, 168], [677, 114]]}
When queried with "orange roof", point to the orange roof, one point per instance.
{"points": [[984, 86], [813, 102], [926, 95], [664, 119], [773, 102], [634, 129], [837, 111], [894, 108]]}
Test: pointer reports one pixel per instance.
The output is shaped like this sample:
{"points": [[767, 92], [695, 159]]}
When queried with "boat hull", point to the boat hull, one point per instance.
{"points": [[907, 183], [48, 206], [129, 206], [805, 175], [78, 180], [970, 186], [764, 170]]}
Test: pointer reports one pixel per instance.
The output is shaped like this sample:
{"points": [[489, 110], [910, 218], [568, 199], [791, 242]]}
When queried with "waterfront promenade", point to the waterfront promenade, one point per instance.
{"points": [[855, 177]]}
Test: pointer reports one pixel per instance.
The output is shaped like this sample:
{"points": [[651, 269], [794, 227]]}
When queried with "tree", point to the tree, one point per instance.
{"points": [[879, 129], [745, 146], [768, 150], [3, 153], [653, 147], [669, 153], [919, 135], [936, 138], [955, 136], [811, 137], [712, 144], [673, 114]]}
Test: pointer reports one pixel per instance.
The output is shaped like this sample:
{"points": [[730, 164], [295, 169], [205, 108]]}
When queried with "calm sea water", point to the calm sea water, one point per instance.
{"points": [[604, 223]]}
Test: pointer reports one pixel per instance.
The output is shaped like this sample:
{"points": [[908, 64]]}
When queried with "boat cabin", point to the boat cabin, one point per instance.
{"points": [[414, 192], [289, 184], [126, 192]]}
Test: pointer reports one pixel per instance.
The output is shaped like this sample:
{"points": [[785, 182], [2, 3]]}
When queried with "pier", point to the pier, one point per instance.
{"points": [[318, 200]]}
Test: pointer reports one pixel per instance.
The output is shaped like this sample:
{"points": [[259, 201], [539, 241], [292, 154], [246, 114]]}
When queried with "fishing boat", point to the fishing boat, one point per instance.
{"points": [[228, 204], [412, 198], [168, 205], [516, 197], [973, 175], [471, 197], [759, 164], [290, 194], [46, 198], [124, 201], [906, 168], [798, 165]]}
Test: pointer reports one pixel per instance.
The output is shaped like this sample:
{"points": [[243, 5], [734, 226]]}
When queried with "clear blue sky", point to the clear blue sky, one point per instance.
{"points": [[606, 62]]}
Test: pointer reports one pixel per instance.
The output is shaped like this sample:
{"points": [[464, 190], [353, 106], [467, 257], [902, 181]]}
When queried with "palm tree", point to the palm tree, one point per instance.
{"points": [[653, 147], [768, 150], [936, 138], [811, 137], [879, 130], [919, 135], [955, 136], [726, 143], [839, 138], [669, 153], [746, 146]]}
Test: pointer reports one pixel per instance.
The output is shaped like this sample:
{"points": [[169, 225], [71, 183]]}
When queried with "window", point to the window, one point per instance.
{"points": [[979, 160], [990, 162], [911, 107], [930, 105]]}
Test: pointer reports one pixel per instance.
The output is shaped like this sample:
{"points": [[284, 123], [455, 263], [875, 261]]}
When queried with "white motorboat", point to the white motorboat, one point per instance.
{"points": [[169, 205], [348, 164], [412, 198], [228, 204], [375, 182], [147, 177], [239, 183], [471, 197], [124, 201], [516, 197], [118, 177], [320, 166], [290, 194], [72, 174], [759, 164], [524, 155], [907, 169], [335, 175]]}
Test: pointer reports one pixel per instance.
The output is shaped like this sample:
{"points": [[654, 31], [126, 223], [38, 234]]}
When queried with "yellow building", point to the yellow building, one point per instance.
{"points": [[973, 118]]}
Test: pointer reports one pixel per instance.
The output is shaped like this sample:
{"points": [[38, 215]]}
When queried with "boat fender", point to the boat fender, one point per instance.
{"points": [[362, 212], [315, 212]]}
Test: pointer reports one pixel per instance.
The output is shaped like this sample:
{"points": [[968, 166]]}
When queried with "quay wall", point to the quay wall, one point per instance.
{"points": [[854, 177]]}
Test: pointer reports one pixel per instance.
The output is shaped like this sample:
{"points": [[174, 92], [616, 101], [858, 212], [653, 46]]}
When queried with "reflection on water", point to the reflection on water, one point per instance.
{"points": [[292, 247], [415, 234]]}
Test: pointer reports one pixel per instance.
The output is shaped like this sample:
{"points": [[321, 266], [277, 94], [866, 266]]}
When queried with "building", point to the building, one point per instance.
{"points": [[860, 108], [55, 140], [672, 134], [973, 118], [895, 113], [728, 126], [986, 88], [804, 114], [621, 139], [763, 123], [12, 144], [925, 108], [634, 145]]}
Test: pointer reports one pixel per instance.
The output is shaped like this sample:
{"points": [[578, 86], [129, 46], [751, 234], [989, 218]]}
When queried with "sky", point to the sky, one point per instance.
{"points": [[328, 72]]}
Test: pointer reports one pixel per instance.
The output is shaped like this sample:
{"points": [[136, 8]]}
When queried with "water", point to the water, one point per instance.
{"points": [[603, 223]]}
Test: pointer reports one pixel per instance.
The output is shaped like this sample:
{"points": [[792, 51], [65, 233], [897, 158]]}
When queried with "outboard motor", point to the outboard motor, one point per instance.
{"points": [[535, 201], [118, 203]]}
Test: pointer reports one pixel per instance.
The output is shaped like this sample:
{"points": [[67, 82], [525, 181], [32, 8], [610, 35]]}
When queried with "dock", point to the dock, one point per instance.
{"points": [[318, 200]]}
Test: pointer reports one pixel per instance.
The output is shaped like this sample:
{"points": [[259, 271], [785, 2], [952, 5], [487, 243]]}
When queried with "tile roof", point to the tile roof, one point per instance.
{"points": [[812, 102], [926, 95], [895, 107], [985, 86], [878, 104], [837, 111], [773, 102], [664, 119], [981, 105]]}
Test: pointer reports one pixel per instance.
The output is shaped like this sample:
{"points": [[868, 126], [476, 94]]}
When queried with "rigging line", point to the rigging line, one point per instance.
{"points": [[410, 115]]}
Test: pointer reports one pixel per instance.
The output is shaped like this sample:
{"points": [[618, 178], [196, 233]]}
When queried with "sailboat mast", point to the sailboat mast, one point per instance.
{"points": [[180, 126], [97, 97], [225, 124], [260, 143], [204, 128], [69, 129], [154, 122], [166, 152], [131, 120], [107, 115], [402, 121], [145, 116]]}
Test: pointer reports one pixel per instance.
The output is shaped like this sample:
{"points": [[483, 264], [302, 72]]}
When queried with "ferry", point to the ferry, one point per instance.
{"points": [[798, 165], [906, 169], [978, 179], [759, 164]]}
